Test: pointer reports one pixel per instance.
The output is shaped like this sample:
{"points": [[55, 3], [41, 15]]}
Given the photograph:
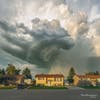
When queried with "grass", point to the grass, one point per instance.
{"points": [[91, 87], [46, 87], [7, 87], [34, 87]]}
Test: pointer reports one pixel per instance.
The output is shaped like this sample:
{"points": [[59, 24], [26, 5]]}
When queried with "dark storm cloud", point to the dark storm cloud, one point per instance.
{"points": [[40, 45], [47, 51], [6, 27], [93, 63]]}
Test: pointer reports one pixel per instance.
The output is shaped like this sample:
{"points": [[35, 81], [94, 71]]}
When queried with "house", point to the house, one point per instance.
{"points": [[49, 79], [12, 80], [89, 78], [7, 80], [19, 79], [28, 81]]}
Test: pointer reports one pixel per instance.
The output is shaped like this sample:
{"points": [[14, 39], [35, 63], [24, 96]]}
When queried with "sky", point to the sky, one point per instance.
{"points": [[50, 36]]}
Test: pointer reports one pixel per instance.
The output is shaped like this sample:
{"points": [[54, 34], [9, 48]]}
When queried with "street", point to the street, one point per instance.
{"points": [[68, 94]]}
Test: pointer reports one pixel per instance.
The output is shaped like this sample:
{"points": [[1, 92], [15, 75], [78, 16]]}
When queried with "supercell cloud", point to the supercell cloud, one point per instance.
{"points": [[50, 33], [40, 45]]}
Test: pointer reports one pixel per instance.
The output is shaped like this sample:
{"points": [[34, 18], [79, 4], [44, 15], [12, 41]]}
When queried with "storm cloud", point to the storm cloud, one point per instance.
{"points": [[50, 33], [40, 45]]}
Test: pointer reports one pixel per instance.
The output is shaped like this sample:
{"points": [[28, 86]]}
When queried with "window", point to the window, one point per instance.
{"points": [[60, 79], [54, 79], [40, 78]]}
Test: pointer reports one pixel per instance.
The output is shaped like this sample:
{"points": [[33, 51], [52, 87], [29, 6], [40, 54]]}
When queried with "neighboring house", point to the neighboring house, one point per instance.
{"points": [[89, 78], [19, 79], [12, 80], [49, 79], [28, 81], [8, 80]]}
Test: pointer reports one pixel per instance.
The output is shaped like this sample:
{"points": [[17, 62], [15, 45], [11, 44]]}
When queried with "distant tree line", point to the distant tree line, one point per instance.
{"points": [[93, 73], [11, 70]]}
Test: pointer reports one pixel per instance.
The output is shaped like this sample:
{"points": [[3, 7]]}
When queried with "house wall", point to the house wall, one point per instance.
{"points": [[76, 80], [92, 80], [19, 81], [50, 81], [28, 81], [40, 81], [98, 79]]}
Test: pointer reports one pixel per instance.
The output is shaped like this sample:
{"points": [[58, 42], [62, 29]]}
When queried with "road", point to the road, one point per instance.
{"points": [[68, 94]]}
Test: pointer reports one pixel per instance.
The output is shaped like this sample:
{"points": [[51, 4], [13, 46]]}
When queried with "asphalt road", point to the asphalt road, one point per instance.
{"points": [[50, 94]]}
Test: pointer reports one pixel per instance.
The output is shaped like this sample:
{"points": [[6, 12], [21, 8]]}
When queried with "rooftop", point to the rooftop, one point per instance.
{"points": [[88, 76], [49, 75]]}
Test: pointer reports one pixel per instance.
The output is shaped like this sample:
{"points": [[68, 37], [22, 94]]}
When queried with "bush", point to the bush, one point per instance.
{"points": [[7, 87], [84, 83], [46, 87], [97, 83]]}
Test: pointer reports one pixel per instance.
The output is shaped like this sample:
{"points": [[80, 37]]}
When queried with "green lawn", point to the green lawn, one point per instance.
{"points": [[8, 87], [91, 87], [33, 87], [46, 87]]}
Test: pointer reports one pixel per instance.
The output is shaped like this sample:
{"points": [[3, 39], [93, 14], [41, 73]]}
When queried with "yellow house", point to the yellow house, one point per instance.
{"points": [[92, 78], [49, 79]]}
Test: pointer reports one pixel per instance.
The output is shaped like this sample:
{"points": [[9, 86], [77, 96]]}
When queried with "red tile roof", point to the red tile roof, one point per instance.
{"points": [[89, 76], [19, 76], [49, 75]]}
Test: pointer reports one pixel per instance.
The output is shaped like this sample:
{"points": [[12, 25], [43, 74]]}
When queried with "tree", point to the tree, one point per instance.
{"points": [[17, 71], [71, 75], [97, 73], [2, 72], [11, 70], [93, 73], [27, 73]]}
